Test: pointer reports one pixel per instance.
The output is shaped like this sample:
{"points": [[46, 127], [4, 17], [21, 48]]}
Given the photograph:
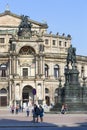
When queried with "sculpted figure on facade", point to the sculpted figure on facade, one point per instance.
{"points": [[41, 47], [25, 27]]}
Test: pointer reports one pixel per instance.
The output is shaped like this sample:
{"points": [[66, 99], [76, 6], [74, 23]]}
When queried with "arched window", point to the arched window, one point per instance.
{"points": [[26, 50], [47, 98], [3, 69], [3, 91], [46, 90], [56, 71], [46, 70], [82, 71], [56, 91]]}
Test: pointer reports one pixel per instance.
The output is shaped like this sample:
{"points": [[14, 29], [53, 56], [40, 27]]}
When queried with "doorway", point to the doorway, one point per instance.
{"points": [[27, 95], [3, 97]]}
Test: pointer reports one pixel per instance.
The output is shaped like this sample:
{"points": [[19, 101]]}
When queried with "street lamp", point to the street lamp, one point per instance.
{"points": [[84, 78], [59, 89]]}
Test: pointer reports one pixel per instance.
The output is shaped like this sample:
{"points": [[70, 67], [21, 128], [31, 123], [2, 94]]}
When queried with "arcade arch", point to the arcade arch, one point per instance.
{"points": [[3, 97], [27, 95]]}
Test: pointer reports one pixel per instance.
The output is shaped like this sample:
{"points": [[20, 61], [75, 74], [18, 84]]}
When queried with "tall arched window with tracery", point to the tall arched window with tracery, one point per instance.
{"points": [[46, 70], [56, 71], [28, 66]]}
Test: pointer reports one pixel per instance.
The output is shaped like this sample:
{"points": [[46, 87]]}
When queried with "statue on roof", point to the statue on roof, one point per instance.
{"points": [[71, 56], [25, 27]]}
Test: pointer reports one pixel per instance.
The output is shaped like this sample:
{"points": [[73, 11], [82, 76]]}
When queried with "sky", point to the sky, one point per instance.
{"points": [[62, 16]]}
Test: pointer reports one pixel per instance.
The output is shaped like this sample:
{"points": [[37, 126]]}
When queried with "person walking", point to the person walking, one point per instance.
{"points": [[63, 109], [12, 109], [41, 113], [17, 108], [27, 111]]}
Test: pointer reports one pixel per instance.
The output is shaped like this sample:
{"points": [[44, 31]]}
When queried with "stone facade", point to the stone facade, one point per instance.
{"points": [[35, 60]]}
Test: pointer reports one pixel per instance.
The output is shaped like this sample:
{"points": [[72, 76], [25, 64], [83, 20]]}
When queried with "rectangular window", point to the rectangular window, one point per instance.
{"points": [[46, 41], [3, 74], [25, 72], [54, 42], [2, 40], [60, 43], [65, 44]]}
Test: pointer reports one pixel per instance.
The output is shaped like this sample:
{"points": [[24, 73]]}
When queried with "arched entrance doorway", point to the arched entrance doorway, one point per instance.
{"points": [[47, 99], [3, 97], [27, 95]]}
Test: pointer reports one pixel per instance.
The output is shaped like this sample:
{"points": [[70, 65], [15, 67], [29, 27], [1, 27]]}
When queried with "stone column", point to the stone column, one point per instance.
{"points": [[14, 64], [10, 82], [10, 93], [41, 65], [10, 64], [36, 66]]}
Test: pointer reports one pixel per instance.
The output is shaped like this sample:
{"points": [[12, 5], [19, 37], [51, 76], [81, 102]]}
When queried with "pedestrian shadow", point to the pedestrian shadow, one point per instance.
{"points": [[15, 123], [7, 123], [83, 124]]}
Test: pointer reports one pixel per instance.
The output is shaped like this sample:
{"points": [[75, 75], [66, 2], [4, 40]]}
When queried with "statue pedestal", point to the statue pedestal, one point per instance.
{"points": [[72, 87]]}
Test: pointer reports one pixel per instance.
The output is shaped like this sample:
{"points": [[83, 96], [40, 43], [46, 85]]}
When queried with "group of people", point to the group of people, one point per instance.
{"points": [[14, 109], [38, 112]]}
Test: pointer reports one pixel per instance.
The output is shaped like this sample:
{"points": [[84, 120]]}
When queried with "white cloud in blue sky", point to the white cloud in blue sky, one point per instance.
{"points": [[63, 16]]}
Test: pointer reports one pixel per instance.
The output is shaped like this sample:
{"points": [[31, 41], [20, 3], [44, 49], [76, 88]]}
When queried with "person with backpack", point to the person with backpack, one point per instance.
{"points": [[36, 113]]}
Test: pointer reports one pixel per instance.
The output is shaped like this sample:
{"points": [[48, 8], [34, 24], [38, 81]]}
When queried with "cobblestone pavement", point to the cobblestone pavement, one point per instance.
{"points": [[9, 120]]}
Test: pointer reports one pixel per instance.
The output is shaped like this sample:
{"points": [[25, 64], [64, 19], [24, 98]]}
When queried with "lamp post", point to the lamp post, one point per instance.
{"points": [[34, 93], [59, 88], [84, 78]]}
